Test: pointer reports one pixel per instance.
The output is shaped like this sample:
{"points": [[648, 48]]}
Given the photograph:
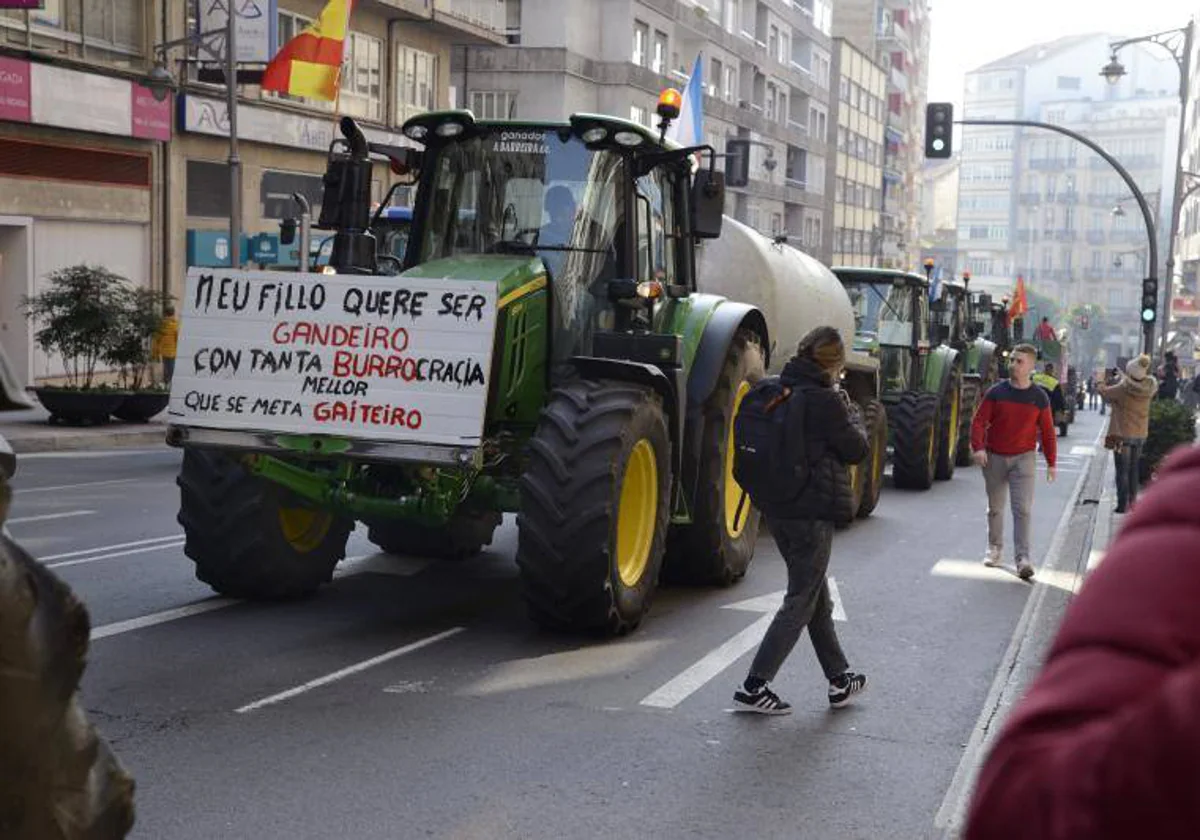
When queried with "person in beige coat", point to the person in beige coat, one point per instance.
{"points": [[1130, 424]]}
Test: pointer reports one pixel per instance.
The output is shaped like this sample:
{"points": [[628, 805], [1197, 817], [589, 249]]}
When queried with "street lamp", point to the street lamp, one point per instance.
{"points": [[1178, 42], [160, 82]]}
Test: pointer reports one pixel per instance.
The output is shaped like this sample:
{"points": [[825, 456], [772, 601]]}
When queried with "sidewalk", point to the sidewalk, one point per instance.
{"points": [[1088, 526], [30, 431]]}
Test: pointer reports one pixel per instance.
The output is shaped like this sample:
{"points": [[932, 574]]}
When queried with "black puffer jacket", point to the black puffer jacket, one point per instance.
{"points": [[833, 438]]}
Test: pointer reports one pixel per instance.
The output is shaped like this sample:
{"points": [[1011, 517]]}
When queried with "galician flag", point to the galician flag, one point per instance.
{"points": [[311, 63], [688, 130]]}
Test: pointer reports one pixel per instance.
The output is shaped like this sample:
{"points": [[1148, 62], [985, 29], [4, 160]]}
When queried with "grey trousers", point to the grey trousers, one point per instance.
{"points": [[805, 545], [1003, 476]]}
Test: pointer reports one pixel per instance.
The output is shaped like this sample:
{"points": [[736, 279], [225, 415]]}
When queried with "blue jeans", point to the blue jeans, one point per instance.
{"points": [[1125, 462]]}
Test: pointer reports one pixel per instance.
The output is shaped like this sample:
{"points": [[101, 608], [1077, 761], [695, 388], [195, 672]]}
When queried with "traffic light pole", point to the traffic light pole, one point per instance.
{"points": [[1147, 326]]}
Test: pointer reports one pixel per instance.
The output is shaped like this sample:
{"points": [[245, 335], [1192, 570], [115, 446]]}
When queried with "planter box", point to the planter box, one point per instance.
{"points": [[79, 408], [140, 406]]}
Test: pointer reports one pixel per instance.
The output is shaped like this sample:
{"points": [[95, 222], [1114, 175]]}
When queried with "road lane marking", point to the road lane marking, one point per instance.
{"points": [[689, 681], [100, 549], [76, 455], [211, 604], [197, 608], [46, 517], [21, 491], [839, 612], [713, 663], [349, 671], [127, 553]]}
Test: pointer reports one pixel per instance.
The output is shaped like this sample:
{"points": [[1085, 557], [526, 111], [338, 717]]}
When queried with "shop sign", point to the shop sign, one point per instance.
{"points": [[256, 29], [204, 115], [14, 89]]}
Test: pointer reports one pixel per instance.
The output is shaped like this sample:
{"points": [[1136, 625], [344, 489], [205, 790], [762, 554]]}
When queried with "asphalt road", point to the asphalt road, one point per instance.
{"points": [[414, 699]]}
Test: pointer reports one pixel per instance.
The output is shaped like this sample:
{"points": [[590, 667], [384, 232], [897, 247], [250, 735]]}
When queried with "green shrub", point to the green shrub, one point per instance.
{"points": [[1172, 424]]}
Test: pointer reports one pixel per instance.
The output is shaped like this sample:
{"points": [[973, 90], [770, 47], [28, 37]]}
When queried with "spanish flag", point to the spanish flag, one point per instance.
{"points": [[1020, 303], [311, 63]]}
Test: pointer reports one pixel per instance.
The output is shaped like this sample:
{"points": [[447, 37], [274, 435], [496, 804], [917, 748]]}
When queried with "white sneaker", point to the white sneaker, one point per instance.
{"points": [[992, 557]]}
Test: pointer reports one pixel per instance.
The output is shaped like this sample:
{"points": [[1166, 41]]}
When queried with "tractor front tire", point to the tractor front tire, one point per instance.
{"points": [[61, 780], [595, 501], [718, 545], [949, 414], [971, 395], [464, 536], [876, 424], [251, 538], [914, 440]]}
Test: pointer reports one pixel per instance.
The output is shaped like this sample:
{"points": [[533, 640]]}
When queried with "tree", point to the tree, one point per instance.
{"points": [[1087, 343]]}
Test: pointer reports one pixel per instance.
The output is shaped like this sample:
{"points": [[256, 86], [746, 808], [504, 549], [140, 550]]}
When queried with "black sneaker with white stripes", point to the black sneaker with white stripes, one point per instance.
{"points": [[764, 701], [845, 687]]}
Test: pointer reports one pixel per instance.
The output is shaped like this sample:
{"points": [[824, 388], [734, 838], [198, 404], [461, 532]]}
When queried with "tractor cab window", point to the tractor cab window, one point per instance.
{"points": [[656, 227], [883, 313], [535, 192]]}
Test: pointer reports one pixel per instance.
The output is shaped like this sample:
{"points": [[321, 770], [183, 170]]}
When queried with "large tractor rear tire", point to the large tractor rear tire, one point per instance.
{"points": [[717, 547], [914, 440], [61, 780], [595, 501], [876, 423], [971, 395], [949, 414], [463, 537], [251, 538]]}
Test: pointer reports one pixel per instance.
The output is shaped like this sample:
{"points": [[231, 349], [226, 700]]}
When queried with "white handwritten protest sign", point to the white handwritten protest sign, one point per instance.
{"points": [[377, 358]]}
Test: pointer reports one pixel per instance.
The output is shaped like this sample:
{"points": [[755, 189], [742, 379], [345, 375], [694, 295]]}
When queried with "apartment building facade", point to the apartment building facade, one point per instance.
{"points": [[855, 180], [896, 33], [96, 168], [995, 160], [939, 214], [1080, 235], [767, 75]]}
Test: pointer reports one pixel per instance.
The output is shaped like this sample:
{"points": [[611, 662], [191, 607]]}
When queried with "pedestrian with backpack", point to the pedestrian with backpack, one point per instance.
{"points": [[794, 436]]}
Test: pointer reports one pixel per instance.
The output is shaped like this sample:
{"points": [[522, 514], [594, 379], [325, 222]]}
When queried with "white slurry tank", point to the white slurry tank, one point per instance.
{"points": [[795, 291]]}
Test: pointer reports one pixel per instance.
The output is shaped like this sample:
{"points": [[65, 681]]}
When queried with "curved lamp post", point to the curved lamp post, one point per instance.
{"points": [[1178, 42]]}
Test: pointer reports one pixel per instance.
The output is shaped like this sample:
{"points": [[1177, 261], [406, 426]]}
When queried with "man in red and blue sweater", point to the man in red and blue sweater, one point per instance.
{"points": [[1004, 437]]}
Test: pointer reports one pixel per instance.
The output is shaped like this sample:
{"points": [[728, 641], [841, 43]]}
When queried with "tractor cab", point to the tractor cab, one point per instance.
{"points": [[891, 320], [599, 207]]}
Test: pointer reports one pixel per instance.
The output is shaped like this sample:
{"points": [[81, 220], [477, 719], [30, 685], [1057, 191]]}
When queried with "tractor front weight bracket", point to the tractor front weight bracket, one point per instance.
{"points": [[333, 491]]}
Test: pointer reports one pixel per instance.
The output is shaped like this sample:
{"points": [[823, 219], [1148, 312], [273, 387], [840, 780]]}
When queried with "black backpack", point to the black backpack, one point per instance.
{"points": [[768, 455]]}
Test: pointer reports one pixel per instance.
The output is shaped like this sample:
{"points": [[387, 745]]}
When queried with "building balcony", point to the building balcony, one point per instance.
{"points": [[1096, 237], [899, 80], [1065, 235], [896, 33], [1067, 198], [483, 20], [1030, 198], [1095, 274], [1100, 200], [1048, 164]]}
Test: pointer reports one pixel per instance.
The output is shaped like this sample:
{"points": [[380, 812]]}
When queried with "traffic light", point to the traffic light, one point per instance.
{"points": [[939, 128], [1149, 300]]}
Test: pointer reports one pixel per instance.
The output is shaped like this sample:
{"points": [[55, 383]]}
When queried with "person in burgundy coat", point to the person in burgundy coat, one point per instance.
{"points": [[1106, 742]]}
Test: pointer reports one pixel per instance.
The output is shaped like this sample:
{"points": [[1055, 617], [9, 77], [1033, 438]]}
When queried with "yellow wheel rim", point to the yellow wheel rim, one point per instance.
{"points": [[877, 459], [637, 513], [932, 443], [952, 443], [734, 524], [304, 528]]}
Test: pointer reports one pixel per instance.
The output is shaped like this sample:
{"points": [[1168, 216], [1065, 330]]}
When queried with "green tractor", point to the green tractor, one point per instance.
{"points": [[567, 371], [956, 323], [921, 380]]}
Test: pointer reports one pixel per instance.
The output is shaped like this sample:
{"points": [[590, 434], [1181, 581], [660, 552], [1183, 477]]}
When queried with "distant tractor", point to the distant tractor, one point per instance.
{"points": [[957, 325], [921, 379]]}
